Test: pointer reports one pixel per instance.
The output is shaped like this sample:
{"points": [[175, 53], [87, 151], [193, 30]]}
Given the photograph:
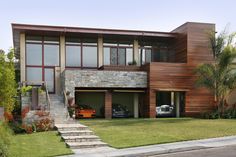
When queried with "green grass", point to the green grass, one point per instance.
{"points": [[41, 144], [123, 133]]}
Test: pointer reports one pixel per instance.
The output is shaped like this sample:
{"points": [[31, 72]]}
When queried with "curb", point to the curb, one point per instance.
{"points": [[162, 152]]}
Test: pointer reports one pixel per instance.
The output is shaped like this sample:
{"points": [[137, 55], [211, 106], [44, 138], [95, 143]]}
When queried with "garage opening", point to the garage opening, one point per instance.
{"points": [[125, 105], [91, 100], [170, 104]]}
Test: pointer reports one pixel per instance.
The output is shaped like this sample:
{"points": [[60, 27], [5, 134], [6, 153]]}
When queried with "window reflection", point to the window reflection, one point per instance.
{"points": [[117, 54], [34, 54], [73, 56], [51, 55], [77, 48], [89, 56]]}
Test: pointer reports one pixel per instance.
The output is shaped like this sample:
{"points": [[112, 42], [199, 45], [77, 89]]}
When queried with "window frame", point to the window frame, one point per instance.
{"points": [[117, 47], [82, 44], [42, 43], [141, 54]]}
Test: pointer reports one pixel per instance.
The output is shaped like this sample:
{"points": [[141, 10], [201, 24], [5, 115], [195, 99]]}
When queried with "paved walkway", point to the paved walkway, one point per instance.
{"points": [[156, 149]]}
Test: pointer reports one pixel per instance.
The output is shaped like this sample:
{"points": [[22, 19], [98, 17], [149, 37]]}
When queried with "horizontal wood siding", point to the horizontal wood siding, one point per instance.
{"points": [[180, 45], [192, 47]]}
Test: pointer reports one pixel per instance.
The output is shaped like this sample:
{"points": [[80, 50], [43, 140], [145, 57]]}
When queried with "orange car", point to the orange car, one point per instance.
{"points": [[84, 111]]}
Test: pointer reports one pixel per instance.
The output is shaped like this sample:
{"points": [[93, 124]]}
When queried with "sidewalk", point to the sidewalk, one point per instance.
{"points": [[155, 149]]}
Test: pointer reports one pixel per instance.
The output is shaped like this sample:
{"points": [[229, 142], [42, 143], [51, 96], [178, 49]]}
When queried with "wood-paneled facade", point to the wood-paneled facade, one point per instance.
{"points": [[193, 48]]}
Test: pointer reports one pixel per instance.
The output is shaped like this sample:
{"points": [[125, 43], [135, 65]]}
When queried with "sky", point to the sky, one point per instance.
{"points": [[149, 15]]}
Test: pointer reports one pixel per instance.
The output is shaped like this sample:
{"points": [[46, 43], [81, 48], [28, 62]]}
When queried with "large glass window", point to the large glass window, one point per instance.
{"points": [[145, 54], [51, 55], [117, 54], [114, 56], [35, 49], [73, 56], [34, 74], [89, 56], [129, 56], [77, 49], [49, 78], [41, 53], [106, 54], [121, 56], [34, 54]]}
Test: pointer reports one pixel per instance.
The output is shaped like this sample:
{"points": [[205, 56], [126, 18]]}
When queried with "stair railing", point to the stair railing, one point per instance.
{"points": [[38, 83], [48, 98], [65, 99]]}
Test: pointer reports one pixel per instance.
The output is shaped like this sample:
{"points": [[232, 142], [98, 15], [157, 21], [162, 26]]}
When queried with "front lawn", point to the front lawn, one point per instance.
{"points": [[122, 133], [41, 144]]}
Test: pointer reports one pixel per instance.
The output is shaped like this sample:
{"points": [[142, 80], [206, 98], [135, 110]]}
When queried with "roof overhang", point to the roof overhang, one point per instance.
{"points": [[64, 30]]}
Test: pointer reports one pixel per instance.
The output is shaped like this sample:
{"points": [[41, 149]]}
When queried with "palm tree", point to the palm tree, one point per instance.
{"points": [[219, 77]]}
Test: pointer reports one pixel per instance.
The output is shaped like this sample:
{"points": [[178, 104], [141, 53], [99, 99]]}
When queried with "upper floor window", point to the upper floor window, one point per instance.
{"points": [[145, 54], [51, 51], [158, 52], [81, 53], [42, 51], [117, 54]]}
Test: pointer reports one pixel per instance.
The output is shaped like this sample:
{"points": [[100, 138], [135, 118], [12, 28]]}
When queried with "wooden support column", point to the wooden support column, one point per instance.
{"points": [[152, 104], [136, 102], [108, 105]]}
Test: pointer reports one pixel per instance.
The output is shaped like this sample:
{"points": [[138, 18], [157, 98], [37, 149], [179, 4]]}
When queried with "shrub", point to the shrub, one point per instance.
{"points": [[5, 135], [8, 116], [28, 128], [16, 127], [25, 89], [229, 113], [211, 115], [44, 125], [24, 112]]}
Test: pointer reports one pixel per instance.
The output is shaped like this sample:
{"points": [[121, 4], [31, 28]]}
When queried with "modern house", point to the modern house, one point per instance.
{"points": [[102, 67]]}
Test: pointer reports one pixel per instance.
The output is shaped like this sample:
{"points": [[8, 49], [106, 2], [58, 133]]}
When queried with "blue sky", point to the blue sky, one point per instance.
{"points": [[155, 15]]}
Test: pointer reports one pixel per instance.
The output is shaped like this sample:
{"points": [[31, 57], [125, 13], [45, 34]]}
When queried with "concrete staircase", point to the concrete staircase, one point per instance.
{"points": [[57, 109], [77, 136]]}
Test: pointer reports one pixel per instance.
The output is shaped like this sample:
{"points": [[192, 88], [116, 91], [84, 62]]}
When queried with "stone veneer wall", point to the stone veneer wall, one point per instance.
{"points": [[109, 79]]}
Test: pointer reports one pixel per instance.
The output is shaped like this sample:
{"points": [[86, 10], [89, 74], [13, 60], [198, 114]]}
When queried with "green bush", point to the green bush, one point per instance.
{"points": [[229, 113], [25, 89], [5, 135]]}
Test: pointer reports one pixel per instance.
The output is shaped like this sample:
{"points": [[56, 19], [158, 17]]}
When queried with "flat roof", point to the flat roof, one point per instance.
{"points": [[67, 30], [18, 28]]}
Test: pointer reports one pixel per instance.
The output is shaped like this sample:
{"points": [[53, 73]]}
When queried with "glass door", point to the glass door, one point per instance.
{"points": [[49, 74]]}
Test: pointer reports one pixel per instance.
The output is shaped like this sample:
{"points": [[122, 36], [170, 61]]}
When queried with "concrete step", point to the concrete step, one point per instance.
{"points": [[76, 133], [86, 138], [78, 145], [71, 127]]}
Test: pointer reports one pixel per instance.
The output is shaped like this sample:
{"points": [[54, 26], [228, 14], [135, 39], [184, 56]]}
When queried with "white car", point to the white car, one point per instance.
{"points": [[164, 110]]}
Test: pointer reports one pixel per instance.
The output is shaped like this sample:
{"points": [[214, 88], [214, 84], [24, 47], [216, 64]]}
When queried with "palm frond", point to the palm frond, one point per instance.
{"points": [[206, 76]]}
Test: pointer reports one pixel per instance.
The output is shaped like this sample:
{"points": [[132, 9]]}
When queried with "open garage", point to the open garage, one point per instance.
{"points": [[94, 100]]}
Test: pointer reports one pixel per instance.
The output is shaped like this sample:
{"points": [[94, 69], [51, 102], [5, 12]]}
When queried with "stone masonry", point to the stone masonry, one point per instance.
{"points": [[107, 79]]}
